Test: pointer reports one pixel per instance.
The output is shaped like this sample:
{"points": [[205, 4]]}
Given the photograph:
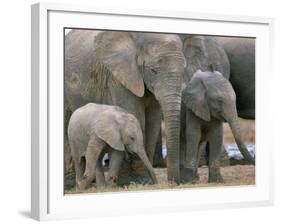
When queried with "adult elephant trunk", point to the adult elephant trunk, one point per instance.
{"points": [[234, 125], [148, 165], [170, 102]]}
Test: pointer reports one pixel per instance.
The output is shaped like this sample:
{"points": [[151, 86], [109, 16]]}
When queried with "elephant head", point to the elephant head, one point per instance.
{"points": [[210, 96], [202, 51], [122, 132], [151, 61]]}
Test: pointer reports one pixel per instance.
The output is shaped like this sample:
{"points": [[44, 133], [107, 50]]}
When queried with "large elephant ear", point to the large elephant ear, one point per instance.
{"points": [[117, 52], [194, 97], [109, 132]]}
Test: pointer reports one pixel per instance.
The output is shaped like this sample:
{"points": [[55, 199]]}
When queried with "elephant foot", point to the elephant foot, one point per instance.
{"points": [[215, 179], [215, 176], [68, 162], [189, 175], [83, 184], [112, 181], [100, 184], [158, 160], [204, 157], [69, 181]]}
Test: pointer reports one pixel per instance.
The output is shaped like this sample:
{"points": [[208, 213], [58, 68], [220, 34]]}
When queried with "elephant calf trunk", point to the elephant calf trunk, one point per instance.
{"points": [[149, 167], [234, 125]]}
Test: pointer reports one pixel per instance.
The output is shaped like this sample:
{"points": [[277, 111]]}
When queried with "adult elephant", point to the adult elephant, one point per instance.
{"points": [[201, 53], [140, 72], [241, 55]]}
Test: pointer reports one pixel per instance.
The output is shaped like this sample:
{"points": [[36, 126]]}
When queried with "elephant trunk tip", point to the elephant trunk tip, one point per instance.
{"points": [[234, 124]]}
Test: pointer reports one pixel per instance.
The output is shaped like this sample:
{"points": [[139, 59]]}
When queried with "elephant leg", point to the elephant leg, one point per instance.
{"points": [[215, 141], [182, 142], [78, 170], [69, 166], [116, 159], [182, 161], [203, 146], [78, 161], [100, 179], [193, 137], [153, 116], [68, 161], [158, 159], [203, 154], [93, 153], [224, 158]]}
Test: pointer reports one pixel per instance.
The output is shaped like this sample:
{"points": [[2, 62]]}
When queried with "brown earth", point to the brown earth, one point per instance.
{"points": [[232, 175]]}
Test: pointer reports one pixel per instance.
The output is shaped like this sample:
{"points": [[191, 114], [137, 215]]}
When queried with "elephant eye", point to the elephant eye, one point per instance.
{"points": [[130, 140]]}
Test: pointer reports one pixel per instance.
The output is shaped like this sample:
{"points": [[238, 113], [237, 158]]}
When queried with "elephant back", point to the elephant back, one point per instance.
{"points": [[241, 54]]}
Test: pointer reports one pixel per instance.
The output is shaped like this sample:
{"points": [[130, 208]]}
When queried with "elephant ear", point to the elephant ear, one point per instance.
{"points": [[117, 52], [110, 132], [194, 97]]}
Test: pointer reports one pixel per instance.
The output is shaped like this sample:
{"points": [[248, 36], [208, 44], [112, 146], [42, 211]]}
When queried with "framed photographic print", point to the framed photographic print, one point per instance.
{"points": [[163, 111]]}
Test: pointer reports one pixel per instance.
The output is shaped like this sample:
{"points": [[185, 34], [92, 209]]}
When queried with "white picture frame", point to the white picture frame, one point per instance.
{"points": [[47, 198]]}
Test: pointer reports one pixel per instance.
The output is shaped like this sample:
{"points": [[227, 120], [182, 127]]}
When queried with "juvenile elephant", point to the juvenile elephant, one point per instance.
{"points": [[95, 128], [201, 52], [210, 100]]}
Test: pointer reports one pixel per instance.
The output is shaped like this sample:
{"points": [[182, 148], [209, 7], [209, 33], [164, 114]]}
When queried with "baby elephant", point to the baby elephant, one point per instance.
{"points": [[96, 128], [209, 100]]}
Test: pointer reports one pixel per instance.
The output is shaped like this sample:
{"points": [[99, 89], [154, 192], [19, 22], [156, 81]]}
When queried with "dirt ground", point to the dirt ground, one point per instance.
{"points": [[232, 175]]}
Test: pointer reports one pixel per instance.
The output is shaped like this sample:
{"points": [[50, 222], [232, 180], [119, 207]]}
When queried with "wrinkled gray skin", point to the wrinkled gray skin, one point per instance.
{"points": [[201, 52], [95, 128], [210, 100], [140, 72], [241, 55]]}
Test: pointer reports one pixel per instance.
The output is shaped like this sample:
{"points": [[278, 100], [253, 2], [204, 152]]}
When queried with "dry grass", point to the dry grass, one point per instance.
{"points": [[232, 175], [247, 132]]}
